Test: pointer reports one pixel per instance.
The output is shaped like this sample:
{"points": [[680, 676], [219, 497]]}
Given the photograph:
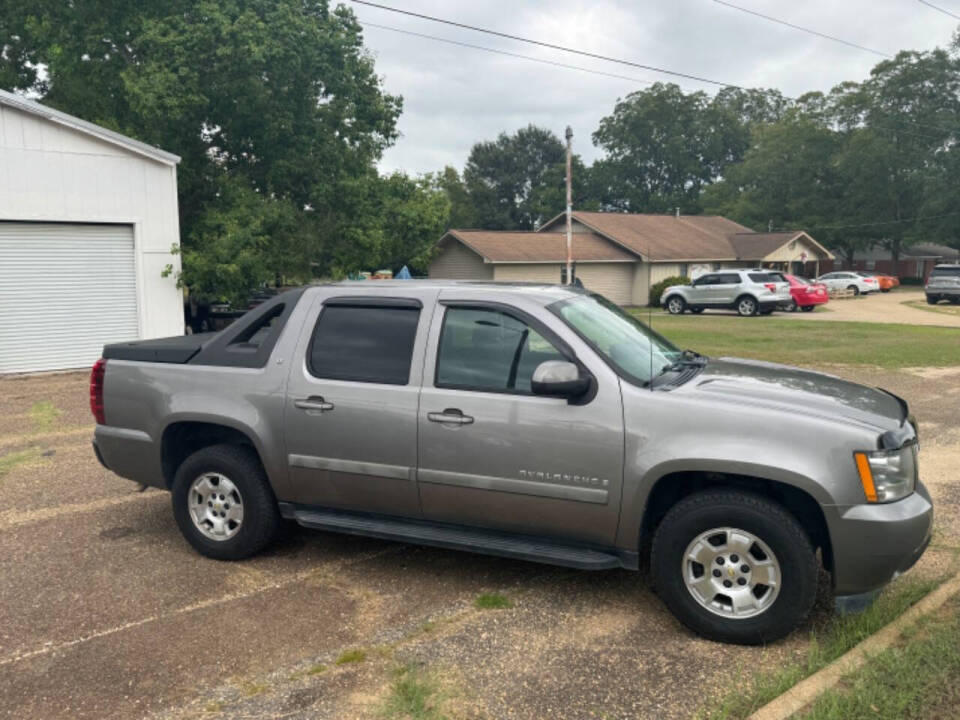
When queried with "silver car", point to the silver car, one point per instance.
{"points": [[943, 284], [749, 292]]}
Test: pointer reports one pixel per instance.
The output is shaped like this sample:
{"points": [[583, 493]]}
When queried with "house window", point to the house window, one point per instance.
{"points": [[871, 265], [563, 272], [684, 269]]}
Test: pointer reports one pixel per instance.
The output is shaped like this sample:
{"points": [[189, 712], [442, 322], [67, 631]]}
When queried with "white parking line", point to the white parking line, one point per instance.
{"points": [[52, 646], [15, 518]]}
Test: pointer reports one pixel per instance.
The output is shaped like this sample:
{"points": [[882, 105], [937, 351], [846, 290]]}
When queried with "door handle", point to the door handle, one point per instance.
{"points": [[450, 415], [314, 402]]}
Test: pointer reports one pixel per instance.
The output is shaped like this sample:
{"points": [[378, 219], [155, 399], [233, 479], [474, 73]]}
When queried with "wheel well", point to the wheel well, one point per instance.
{"points": [[672, 488], [182, 439], [745, 295], [675, 295]]}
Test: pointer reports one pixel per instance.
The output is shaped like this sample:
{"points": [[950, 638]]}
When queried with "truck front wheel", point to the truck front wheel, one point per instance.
{"points": [[734, 567], [223, 502]]}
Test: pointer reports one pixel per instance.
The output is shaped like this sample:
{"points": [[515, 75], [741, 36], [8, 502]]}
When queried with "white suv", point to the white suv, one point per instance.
{"points": [[749, 292]]}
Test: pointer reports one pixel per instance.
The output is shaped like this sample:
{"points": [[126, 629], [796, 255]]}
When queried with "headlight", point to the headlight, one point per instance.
{"points": [[887, 475]]}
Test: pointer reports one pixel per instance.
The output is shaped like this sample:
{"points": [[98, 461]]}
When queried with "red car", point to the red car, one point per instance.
{"points": [[806, 295]]}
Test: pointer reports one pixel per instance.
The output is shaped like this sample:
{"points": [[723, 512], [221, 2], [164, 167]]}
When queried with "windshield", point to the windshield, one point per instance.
{"points": [[634, 350]]}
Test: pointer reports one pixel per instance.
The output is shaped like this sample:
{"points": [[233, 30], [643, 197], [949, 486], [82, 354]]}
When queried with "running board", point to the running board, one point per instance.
{"points": [[454, 537]]}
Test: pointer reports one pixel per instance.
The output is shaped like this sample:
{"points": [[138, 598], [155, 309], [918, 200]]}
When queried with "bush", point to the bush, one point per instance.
{"points": [[657, 289]]}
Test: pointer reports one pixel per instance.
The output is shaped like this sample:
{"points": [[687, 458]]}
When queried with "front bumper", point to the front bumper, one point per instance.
{"points": [[872, 544]]}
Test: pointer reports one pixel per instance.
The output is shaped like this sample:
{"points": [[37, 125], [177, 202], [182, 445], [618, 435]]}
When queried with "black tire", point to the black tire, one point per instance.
{"points": [[766, 520], [261, 516], [696, 310], [793, 307], [746, 306], [675, 305], [932, 299], [807, 308], [856, 290]]}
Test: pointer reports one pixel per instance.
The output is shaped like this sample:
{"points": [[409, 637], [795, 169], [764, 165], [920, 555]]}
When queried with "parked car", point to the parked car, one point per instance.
{"points": [[805, 295], [535, 422], [749, 292], [849, 280], [943, 284], [884, 282]]}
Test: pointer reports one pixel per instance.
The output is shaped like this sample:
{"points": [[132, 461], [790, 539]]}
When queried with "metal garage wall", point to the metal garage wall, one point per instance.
{"points": [[65, 291]]}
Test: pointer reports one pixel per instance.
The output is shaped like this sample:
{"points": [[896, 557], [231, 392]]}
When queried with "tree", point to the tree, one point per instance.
{"points": [[415, 215], [273, 105], [462, 212], [664, 146], [517, 182], [902, 131]]}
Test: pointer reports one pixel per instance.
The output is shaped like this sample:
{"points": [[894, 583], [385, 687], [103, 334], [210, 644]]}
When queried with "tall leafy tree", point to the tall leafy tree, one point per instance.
{"points": [[273, 105], [664, 146], [518, 181]]}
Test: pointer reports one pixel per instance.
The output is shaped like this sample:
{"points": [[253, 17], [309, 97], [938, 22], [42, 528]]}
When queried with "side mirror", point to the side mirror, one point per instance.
{"points": [[558, 378]]}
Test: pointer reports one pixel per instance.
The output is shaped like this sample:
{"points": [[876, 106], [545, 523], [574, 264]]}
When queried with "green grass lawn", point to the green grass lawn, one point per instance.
{"points": [[799, 342], [941, 308], [917, 679]]}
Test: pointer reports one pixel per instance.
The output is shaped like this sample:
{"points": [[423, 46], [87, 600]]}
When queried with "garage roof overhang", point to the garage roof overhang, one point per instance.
{"points": [[61, 118]]}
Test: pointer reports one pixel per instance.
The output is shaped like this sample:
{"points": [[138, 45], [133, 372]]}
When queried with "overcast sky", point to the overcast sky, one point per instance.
{"points": [[455, 96]]}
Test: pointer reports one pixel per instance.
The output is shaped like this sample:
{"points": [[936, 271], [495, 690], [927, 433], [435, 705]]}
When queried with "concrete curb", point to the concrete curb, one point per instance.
{"points": [[808, 690]]}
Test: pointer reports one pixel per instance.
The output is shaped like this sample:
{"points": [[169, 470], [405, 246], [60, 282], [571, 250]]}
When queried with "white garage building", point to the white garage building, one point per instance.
{"points": [[87, 221]]}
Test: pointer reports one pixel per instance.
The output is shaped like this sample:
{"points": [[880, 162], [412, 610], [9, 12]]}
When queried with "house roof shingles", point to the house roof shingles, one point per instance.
{"points": [[503, 247]]}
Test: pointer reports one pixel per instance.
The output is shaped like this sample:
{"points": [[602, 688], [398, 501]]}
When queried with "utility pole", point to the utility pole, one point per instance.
{"points": [[569, 136]]}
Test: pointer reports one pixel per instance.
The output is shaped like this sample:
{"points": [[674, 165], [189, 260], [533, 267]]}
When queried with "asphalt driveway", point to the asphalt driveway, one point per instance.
{"points": [[105, 612]]}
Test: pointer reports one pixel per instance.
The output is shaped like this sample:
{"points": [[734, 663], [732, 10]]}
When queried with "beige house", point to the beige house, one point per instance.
{"points": [[620, 255]]}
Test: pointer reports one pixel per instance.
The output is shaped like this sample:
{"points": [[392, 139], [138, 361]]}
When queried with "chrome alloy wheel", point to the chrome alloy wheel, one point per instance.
{"points": [[215, 506], [675, 306], [732, 573], [747, 306]]}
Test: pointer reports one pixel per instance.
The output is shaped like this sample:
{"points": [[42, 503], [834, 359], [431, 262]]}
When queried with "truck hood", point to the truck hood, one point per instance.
{"points": [[795, 390]]}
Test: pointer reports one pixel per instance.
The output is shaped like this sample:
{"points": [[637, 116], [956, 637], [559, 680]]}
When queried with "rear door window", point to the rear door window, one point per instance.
{"points": [[729, 279], [364, 343], [945, 272], [485, 349]]}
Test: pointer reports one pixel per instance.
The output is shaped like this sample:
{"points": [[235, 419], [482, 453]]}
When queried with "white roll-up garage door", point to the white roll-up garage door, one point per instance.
{"points": [[65, 291]]}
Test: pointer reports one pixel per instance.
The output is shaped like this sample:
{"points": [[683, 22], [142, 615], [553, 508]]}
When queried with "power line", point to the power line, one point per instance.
{"points": [[940, 9], [606, 58], [806, 30], [543, 61], [585, 53]]}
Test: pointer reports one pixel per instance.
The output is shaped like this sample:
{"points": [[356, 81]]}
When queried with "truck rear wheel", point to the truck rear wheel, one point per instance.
{"points": [[223, 503], [734, 567]]}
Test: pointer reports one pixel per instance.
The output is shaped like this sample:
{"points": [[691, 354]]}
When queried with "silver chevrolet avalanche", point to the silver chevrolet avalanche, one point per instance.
{"points": [[528, 421]]}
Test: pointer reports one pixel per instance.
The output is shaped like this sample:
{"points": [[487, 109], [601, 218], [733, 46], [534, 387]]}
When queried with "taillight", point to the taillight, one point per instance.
{"points": [[870, 279], [770, 286], [96, 390]]}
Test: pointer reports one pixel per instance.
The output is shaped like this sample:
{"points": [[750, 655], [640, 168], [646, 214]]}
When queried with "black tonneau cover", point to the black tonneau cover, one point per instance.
{"points": [[163, 350], [234, 346]]}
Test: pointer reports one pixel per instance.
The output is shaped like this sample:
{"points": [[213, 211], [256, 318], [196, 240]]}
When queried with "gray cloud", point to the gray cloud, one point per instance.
{"points": [[454, 96]]}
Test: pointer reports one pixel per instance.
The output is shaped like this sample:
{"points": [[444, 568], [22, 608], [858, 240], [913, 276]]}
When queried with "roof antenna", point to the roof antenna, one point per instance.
{"points": [[650, 317]]}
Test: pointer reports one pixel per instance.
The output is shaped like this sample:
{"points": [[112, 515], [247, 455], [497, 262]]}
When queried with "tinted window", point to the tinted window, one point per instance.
{"points": [[483, 349], [729, 279], [706, 280], [364, 344], [766, 277], [945, 272]]}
